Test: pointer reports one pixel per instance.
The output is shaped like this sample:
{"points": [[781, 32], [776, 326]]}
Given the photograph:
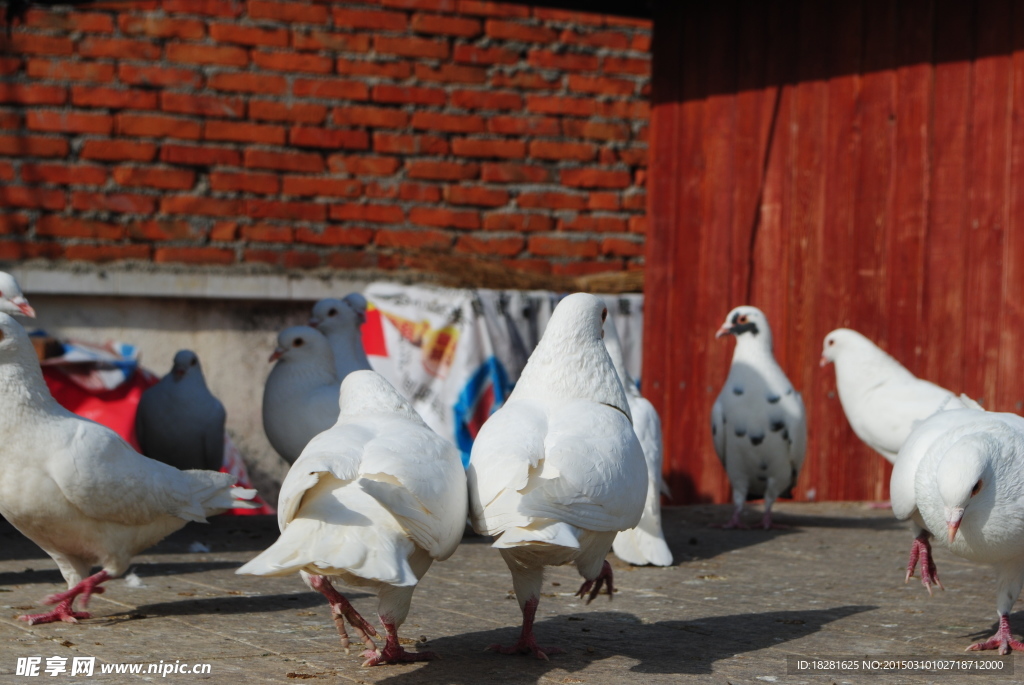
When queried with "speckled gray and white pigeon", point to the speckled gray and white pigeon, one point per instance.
{"points": [[758, 421], [340, 321], [179, 421]]}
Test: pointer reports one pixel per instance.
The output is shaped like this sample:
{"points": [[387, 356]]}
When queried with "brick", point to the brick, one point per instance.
{"points": [[249, 35], [289, 12], [65, 70], [449, 123], [268, 233], [506, 246], [147, 75], [595, 130], [409, 46], [635, 200], [446, 25], [202, 206], [199, 156], [224, 231], [118, 151], [601, 85], [422, 239], [369, 19], [10, 250], [372, 213], [510, 172], [223, 55], [65, 121], [118, 48], [640, 44], [567, 16], [632, 108], [32, 197], [13, 223], [329, 40], [113, 98], [485, 8], [300, 259], [7, 172], [331, 138], [475, 195], [382, 190], [603, 201], [622, 247], [402, 144], [162, 229], [526, 80], [202, 105], [273, 257], [122, 203], [335, 235], [155, 177], [11, 119], [560, 246], [419, 192], [553, 200], [584, 268], [299, 113], [567, 61], [206, 8], [32, 94], [435, 5], [157, 126], [409, 95], [291, 61], [352, 259], [394, 69], [244, 132], [558, 150], [284, 161], [516, 31], [638, 224], [300, 186], [524, 125], [451, 73], [33, 146], [85, 22], [194, 255], [246, 182], [161, 27], [10, 65], [638, 66], [614, 40], [471, 54], [248, 82], [441, 170], [486, 99], [445, 218], [35, 44], [64, 174], [363, 165], [333, 89], [107, 253], [502, 148], [373, 117], [558, 104], [593, 224], [518, 223], [595, 178], [52, 225], [293, 211]]}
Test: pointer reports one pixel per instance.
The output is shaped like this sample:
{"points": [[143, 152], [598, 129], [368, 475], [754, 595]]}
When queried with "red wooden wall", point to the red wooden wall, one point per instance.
{"points": [[848, 163]]}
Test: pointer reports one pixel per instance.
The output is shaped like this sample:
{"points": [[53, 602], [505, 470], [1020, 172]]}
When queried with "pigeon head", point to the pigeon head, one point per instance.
{"points": [[839, 341], [748, 324], [964, 476], [11, 299], [184, 361], [367, 392], [300, 342], [15, 345], [331, 314]]}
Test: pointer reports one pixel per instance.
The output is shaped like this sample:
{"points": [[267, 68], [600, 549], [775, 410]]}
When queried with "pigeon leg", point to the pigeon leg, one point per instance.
{"points": [[594, 586], [734, 522], [393, 652], [921, 548], [527, 642], [64, 601], [342, 609], [1002, 640]]}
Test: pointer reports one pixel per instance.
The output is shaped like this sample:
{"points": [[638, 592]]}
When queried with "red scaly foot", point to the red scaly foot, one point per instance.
{"points": [[342, 609], [64, 601], [921, 548], [527, 643], [393, 652], [1002, 640], [594, 586]]}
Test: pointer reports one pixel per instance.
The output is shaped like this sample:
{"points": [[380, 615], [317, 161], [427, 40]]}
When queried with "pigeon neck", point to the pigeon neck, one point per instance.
{"points": [[614, 348], [23, 389], [349, 355], [753, 348], [859, 370]]}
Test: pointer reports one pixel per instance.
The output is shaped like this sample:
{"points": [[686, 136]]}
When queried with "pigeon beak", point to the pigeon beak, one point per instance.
{"points": [[823, 362], [953, 519], [276, 354], [178, 373], [725, 330], [314, 321], [21, 303]]}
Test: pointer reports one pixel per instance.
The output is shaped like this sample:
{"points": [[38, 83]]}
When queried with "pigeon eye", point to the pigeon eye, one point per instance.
{"points": [[192, 363], [976, 488], [333, 312], [604, 314], [742, 319], [831, 343], [298, 342]]}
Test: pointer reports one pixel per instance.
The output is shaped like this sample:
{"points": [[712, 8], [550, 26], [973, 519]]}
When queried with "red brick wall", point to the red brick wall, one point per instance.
{"points": [[310, 134]]}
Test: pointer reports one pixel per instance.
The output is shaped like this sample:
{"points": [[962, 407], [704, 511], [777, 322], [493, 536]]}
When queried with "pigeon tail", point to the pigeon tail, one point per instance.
{"points": [[213, 493], [549, 532], [641, 547]]}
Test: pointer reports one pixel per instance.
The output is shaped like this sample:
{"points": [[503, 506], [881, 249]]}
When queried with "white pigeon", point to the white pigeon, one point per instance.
{"points": [[960, 475], [300, 397], [11, 299], [78, 490], [178, 420], [340, 321], [372, 501], [882, 400], [758, 422], [558, 471], [644, 544]]}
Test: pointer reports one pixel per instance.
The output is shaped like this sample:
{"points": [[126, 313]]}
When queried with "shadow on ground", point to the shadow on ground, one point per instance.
{"points": [[243, 604]]}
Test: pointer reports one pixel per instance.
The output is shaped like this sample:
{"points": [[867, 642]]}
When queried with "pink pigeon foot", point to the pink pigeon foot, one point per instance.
{"points": [[734, 523], [921, 548], [342, 609], [768, 524], [1002, 640], [527, 643], [64, 600], [393, 653], [594, 586]]}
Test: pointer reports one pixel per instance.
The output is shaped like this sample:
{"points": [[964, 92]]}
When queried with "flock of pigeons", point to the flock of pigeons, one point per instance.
{"points": [[567, 469]]}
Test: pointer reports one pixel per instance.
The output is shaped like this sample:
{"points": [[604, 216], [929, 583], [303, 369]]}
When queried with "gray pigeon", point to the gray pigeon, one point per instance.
{"points": [[179, 422], [340, 321]]}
